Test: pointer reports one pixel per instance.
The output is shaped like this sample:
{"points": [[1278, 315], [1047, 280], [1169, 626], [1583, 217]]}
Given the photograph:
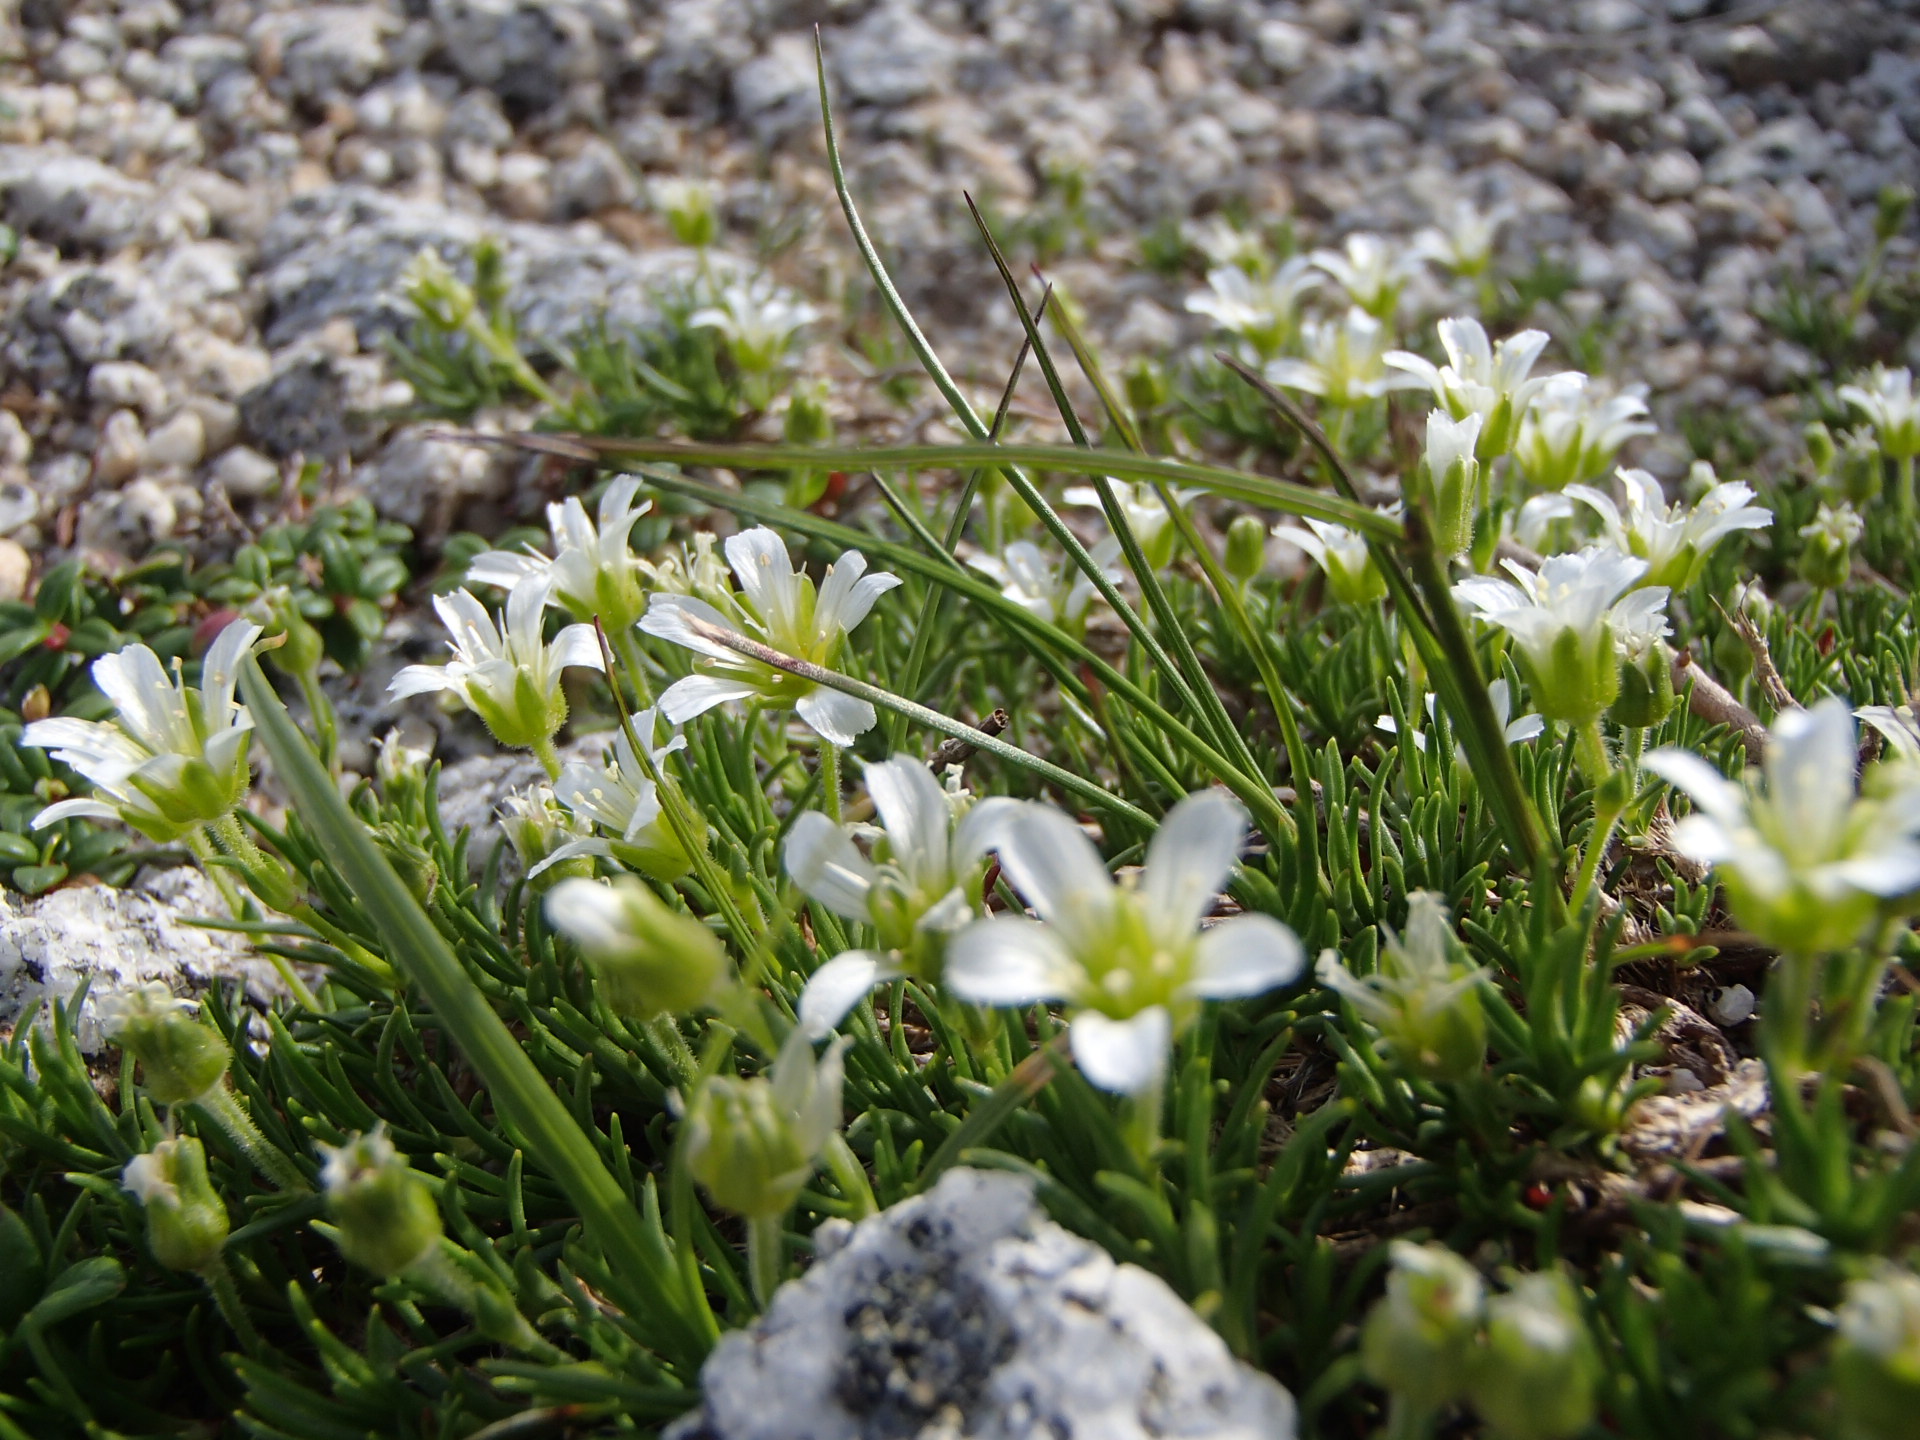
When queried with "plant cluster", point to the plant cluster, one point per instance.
{"points": [[1474, 969]]}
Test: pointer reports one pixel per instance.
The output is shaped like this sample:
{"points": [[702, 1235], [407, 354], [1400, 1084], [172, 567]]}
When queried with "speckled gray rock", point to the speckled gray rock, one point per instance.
{"points": [[967, 1314], [529, 51], [116, 939]]}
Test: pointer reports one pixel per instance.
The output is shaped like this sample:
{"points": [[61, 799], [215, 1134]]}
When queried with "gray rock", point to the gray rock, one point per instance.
{"points": [[72, 202], [967, 1313], [529, 52], [117, 939], [301, 410], [893, 56], [327, 50], [339, 252]]}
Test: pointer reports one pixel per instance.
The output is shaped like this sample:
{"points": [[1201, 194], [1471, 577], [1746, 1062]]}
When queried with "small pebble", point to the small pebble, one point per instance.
{"points": [[1731, 1005], [122, 449]]}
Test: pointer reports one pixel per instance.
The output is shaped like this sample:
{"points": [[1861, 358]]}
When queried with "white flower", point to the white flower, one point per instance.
{"points": [[1260, 311], [620, 799], [778, 606], [592, 569], [688, 206], [1568, 628], [1371, 271], [1454, 477], [758, 321], [921, 884], [536, 826], [1054, 588], [1152, 526], [1673, 540], [1344, 364], [1494, 381], [1225, 244], [1131, 961], [1340, 553], [1886, 398], [1464, 242], [506, 673], [1500, 695], [753, 1142], [1806, 863], [699, 572], [1571, 434], [174, 757], [1836, 526]]}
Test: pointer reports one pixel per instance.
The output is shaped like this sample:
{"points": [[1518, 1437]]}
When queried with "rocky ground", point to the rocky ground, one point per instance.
{"points": [[213, 199]]}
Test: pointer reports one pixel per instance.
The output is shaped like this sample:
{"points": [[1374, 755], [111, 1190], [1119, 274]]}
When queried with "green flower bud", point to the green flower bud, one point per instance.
{"points": [[1828, 558], [1820, 447], [1246, 547], [443, 299], [752, 1143], [180, 1059], [383, 1210], [1535, 1377], [410, 860], [186, 1221], [536, 825], [688, 206], [1646, 689], [1876, 1356], [1860, 472], [1147, 388], [1424, 999], [1417, 1339], [647, 959]]}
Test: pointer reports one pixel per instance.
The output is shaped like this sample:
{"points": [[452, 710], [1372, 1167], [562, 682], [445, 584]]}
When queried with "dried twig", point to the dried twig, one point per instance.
{"points": [[1714, 703], [955, 751], [1764, 670]]}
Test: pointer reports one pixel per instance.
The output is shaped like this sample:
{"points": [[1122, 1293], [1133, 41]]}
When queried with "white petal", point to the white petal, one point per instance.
{"points": [[1712, 792], [859, 601], [504, 568], [1189, 859], [141, 690], [420, 680], [1126, 1057], [837, 986], [1246, 955], [837, 718], [1056, 870], [981, 827], [667, 617], [698, 694], [765, 571], [827, 867], [1809, 765], [915, 812], [71, 809], [576, 645], [222, 667], [1889, 872], [1010, 960]]}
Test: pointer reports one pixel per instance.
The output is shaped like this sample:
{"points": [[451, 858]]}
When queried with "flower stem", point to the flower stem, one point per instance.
{"points": [[830, 779], [1590, 750], [1786, 1015], [763, 1256], [1610, 797], [1903, 497], [221, 1107], [548, 757]]}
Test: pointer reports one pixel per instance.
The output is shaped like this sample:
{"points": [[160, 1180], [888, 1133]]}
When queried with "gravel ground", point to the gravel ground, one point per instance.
{"points": [[214, 198]]}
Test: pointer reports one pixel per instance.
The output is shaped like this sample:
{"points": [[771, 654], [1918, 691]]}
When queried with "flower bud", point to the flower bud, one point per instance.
{"points": [[688, 206], [1416, 1340], [647, 959], [1646, 689], [303, 648], [441, 297], [180, 1059], [1828, 558], [1820, 447], [383, 1210], [1876, 1355], [186, 1220], [1424, 998], [752, 1142], [536, 826], [1453, 478], [1246, 547], [1534, 1379], [1894, 204]]}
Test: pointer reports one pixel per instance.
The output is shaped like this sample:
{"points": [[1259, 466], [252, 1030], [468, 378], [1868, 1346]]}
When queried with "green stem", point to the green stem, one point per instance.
{"points": [[549, 758], [830, 780], [1786, 1015], [764, 1260], [1143, 1124], [326, 728], [223, 1108], [633, 663], [665, 1033], [1407, 1421], [441, 1275], [1903, 496], [1590, 750]]}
